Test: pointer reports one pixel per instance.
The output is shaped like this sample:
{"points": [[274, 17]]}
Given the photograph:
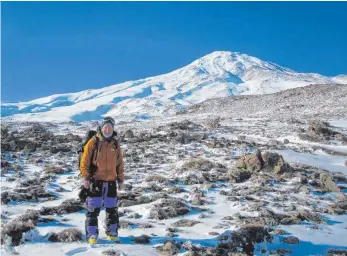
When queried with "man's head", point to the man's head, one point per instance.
{"points": [[107, 127]]}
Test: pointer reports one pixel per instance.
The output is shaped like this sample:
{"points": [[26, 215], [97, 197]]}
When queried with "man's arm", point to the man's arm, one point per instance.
{"points": [[85, 160]]}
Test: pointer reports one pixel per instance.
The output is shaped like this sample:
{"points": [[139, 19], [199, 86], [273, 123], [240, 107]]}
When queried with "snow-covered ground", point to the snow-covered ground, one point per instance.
{"points": [[166, 157]]}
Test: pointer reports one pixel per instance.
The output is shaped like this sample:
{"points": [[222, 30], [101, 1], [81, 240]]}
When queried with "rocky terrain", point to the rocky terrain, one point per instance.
{"points": [[208, 185], [319, 101]]}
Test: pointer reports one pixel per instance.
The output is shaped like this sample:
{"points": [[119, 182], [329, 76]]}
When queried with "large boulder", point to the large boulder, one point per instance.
{"points": [[38, 132], [327, 183], [169, 248], [185, 223], [68, 206], [129, 134], [248, 235], [275, 163], [318, 131], [143, 239], [199, 164], [60, 148], [267, 162], [251, 163], [168, 208], [15, 229], [239, 175], [66, 236], [319, 128], [67, 138], [291, 240], [4, 131]]}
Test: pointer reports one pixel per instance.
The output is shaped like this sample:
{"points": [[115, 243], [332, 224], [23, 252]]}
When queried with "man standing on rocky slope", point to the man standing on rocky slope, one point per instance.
{"points": [[102, 169]]}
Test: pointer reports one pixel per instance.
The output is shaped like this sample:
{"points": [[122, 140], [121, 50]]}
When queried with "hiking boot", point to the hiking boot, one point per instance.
{"points": [[113, 237], [92, 240]]}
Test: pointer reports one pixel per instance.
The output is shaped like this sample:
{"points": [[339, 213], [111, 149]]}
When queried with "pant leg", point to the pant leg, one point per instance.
{"points": [[93, 203], [111, 207]]}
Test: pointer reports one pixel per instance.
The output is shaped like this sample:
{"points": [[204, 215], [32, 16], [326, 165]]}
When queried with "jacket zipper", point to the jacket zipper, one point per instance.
{"points": [[106, 160]]}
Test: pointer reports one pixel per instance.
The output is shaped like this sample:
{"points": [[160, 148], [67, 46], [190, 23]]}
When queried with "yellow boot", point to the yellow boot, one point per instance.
{"points": [[92, 240], [113, 238]]}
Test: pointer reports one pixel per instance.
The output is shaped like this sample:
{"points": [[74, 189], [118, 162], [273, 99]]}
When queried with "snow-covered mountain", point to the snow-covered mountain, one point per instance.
{"points": [[218, 74]]}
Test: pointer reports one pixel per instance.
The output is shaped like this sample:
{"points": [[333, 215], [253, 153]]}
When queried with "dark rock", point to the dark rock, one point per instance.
{"points": [[223, 193], [168, 208], [184, 138], [250, 163], [31, 146], [29, 216], [185, 223], [125, 224], [267, 162], [129, 134], [327, 184], [291, 240], [15, 230], [170, 234], [196, 199], [283, 251], [32, 193], [143, 239], [198, 164], [248, 235], [112, 252], [239, 175], [5, 163], [4, 131], [146, 225], [274, 162], [280, 232], [67, 138], [340, 207], [342, 202], [68, 206], [193, 178], [60, 148], [156, 177], [203, 216], [130, 199], [173, 230], [135, 216], [66, 236], [241, 137], [306, 215], [333, 252], [175, 190], [318, 128], [53, 169], [169, 248], [274, 143]]}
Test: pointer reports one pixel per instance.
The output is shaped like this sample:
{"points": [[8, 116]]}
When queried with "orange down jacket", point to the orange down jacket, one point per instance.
{"points": [[109, 161]]}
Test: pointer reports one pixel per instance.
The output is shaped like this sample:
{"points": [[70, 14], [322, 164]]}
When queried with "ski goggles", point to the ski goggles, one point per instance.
{"points": [[108, 119]]}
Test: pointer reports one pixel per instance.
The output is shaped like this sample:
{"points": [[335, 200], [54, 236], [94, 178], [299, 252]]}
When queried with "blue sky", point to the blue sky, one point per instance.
{"points": [[59, 47]]}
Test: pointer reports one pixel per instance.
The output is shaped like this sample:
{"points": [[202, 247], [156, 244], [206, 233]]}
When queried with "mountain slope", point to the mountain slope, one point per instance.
{"points": [[218, 74]]}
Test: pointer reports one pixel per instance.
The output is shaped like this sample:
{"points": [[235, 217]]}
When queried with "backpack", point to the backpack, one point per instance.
{"points": [[91, 134]]}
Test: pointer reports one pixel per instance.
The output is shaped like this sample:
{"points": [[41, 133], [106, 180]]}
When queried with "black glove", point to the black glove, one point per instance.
{"points": [[83, 194]]}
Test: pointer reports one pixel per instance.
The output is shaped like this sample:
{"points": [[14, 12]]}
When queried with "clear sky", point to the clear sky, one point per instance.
{"points": [[60, 47]]}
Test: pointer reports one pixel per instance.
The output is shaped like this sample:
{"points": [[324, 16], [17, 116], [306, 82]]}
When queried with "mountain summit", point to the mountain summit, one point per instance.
{"points": [[218, 74]]}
